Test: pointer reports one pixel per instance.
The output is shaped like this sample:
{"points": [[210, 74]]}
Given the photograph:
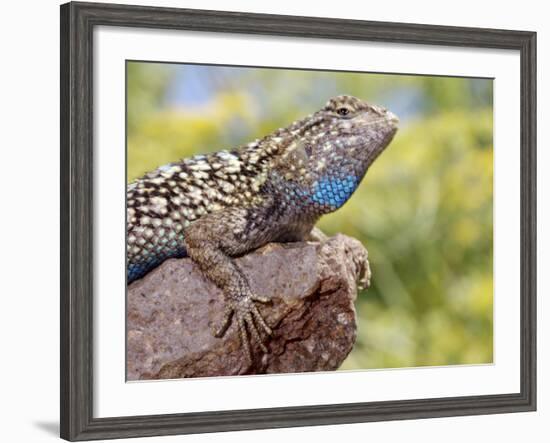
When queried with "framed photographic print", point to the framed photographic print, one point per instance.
{"points": [[273, 221]]}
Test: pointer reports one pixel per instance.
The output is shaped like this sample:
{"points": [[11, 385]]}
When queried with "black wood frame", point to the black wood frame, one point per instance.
{"points": [[77, 25]]}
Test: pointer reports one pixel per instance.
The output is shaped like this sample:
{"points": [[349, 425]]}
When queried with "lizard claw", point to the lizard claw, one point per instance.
{"points": [[248, 320], [260, 298], [228, 313], [364, 273], [364, 279]]}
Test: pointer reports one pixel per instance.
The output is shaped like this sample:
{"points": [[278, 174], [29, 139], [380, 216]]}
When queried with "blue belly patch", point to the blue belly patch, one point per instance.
{"points": [[334, 191], [147, 262], [137, 271]]}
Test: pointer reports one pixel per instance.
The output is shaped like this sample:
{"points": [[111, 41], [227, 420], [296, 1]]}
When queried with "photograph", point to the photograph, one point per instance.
{"points": [[289, 221]]}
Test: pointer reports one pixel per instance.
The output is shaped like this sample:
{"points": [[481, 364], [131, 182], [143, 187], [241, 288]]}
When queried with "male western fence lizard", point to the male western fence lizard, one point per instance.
{"points": [[221, 205]]}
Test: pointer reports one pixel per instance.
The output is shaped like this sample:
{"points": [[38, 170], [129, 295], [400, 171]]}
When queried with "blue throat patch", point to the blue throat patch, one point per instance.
{"points": [[334, 191]]}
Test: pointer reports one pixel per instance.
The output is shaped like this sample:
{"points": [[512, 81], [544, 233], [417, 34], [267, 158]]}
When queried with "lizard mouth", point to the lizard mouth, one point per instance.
{"points": [[387, 126], [389, 119]]}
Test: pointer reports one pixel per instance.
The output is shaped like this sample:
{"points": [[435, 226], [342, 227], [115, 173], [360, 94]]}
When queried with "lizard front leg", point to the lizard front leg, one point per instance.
{"points": [[211, 242], [316, 235]]}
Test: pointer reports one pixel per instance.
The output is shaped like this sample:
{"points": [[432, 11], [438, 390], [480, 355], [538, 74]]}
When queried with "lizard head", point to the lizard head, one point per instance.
{"points": [[332, 149]]}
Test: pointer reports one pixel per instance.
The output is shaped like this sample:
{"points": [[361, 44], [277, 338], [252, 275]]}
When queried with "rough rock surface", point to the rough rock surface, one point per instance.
{"points": [[312, 286]]}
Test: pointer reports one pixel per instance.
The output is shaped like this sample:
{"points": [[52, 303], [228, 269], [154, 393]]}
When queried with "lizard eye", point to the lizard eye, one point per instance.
{"points": [[343, 111]]}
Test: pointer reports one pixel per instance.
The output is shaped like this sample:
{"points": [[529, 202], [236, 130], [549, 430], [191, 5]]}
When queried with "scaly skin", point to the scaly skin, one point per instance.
{"points": [[221, 205]]}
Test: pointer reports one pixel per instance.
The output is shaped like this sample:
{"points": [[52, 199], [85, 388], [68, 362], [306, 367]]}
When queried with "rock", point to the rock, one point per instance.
{"points": [[312, 286]]}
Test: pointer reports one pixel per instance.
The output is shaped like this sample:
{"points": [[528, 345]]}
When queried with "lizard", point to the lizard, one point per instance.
{"points": [[215, 207]]}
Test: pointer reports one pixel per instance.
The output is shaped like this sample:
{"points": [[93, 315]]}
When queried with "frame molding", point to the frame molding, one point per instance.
{"points": [[76, 126]]}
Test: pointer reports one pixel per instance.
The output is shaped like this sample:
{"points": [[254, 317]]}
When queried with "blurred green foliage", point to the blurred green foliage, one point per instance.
{"points": [[424, 210]]}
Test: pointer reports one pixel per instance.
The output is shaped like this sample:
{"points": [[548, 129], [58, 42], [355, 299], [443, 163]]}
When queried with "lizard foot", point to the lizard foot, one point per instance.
{"points": [[248, 319], [364, 274], [362, 267]]}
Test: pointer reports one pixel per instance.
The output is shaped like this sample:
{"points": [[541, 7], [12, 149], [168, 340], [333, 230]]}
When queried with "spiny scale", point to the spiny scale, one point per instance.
{"points": [[163, 203]]}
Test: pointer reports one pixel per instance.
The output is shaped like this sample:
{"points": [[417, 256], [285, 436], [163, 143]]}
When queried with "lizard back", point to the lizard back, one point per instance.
{"points": [[165, 201]]}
